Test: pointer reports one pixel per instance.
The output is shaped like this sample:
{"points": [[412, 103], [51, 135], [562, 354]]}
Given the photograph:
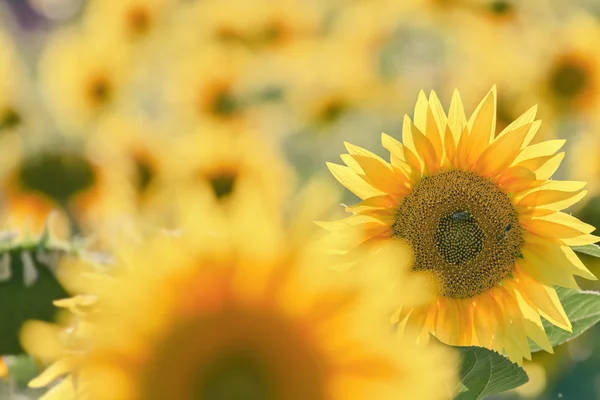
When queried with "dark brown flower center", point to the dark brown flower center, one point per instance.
{"points": [[58, 176], [223, 183], [138, 21], [144, 174], [462, 228], [501, 7], [236, 354], [569, 80], [9, 119], [99, 91]]}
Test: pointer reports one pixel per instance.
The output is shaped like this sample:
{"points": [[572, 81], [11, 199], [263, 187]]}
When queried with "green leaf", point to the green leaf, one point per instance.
{"points": [[583, 310], [484, 372], [589, 249], [21, 369], [28, 286]]}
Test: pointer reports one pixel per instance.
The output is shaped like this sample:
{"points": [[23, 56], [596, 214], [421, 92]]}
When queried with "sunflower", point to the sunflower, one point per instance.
{"points": [[83, 77], [258, 25], [70, 178], [207, 85], [244, 314], [482, 217], [566, 74], [131, 20], [225, 161], [18, 113]]}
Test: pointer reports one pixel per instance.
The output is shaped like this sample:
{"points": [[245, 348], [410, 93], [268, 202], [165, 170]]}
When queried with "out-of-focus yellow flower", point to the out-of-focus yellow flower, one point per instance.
{"points": [[584, 163], [566, 74], [244, 308], [83, 77], [209, 85], [346, 82], [483, 218], [261, 26], [537, 381], [226, 161], [17, 104], [129, 20], [146, 155], [47, 176]]}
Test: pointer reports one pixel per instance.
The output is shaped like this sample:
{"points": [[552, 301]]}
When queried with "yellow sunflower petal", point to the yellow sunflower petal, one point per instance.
{"points": [[482, 125], [420, 115], [449, 146], [557, 225], [353, 182], [352, 164], [526, 118], [376, 202], [407, 139], [561, 205], [438, 112], [393, 146], [533, 323], [52, 373], [580, 240], [425, 150], [547, 148], [548, 169], [545, 197], [485, 321], [447, 321], [544, 299], [359, 151], [547, 263], [433, 133], [379, 174], [575, 265], [502, 152], [456, 116]]}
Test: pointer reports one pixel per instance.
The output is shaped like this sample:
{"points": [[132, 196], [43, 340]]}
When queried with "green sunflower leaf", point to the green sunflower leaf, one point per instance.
{"points": [[583, 310], [589, 249], [28, 285], [21, 369], [484, 372]]}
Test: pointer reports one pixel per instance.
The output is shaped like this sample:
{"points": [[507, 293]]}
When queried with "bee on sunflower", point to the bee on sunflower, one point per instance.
{"points": [[482, 217], [242, 309]]}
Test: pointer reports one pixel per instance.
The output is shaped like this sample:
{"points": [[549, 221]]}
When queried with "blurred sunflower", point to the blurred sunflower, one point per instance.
{"points": [[258, 25], [144, 153], [584, 162], [207, 85], [131, 20], [74, 181], [245, 315], [224, 161], [17, 102], [566, 74], [83, 77], [483, 218]]}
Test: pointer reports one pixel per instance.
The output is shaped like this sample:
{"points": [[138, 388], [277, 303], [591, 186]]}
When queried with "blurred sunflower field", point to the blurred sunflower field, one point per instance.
{"points": [[197, 199]]}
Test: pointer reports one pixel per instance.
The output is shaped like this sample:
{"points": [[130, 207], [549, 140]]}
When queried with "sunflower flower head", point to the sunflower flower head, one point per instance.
{"points": [[241, 309], [483, 219]]}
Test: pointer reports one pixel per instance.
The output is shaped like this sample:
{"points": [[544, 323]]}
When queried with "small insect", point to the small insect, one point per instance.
{"points": [[461, 216], [503, 234]]}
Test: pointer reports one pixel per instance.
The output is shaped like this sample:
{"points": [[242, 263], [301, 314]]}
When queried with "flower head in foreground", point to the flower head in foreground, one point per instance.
{"points": [[483, 219], [237, 310]]}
